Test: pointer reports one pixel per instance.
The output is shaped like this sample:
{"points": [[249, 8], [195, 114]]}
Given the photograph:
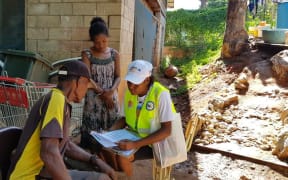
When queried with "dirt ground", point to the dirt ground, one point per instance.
{"points": [[254, 120]]}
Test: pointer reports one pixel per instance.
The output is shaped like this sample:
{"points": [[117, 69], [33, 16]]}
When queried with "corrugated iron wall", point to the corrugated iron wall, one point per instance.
{"points": [[144, 33]]}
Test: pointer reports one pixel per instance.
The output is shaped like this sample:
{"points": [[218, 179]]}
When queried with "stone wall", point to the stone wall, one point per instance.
{"points": [[126, 40], [58, 29]]}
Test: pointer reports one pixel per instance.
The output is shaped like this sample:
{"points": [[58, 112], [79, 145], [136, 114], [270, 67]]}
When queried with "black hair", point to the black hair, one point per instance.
{"points": [[97, 26], [152, 80]]}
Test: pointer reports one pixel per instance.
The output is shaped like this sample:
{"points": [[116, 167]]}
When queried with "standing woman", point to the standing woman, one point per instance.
{"points": [[101, 108]]}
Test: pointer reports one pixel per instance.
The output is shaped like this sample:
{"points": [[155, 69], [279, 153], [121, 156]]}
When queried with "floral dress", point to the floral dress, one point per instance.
{"points": [[96, 115]]}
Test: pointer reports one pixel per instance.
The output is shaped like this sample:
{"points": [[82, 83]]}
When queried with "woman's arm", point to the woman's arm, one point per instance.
{"points": [[106, 96], [157, 136], [119, 124]]}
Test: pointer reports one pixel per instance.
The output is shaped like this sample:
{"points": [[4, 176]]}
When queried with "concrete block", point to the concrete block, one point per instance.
{"points": [[31, 45], [80, 34], [131, 5], [37, 33], [115, 22], [84, 8], [31, 21], [49, 1], [61, 9], [126, 11], [87, 44], [60, 33], [114, 34], [32, 1], [71, 45], [37, 9], [109, 1], [48, 45], [48, 21], [72, 21], [115, 45], [131, 27], [125, 24], [76, 54], [109, 8], [55, 55], [74, 0]]}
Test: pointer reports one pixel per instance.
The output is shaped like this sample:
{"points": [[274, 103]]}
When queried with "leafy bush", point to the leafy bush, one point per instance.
{"points": [[266, 12], [199, 31]]}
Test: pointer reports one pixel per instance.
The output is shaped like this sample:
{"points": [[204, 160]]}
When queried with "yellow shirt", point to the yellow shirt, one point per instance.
{"points": [[47, 119]]}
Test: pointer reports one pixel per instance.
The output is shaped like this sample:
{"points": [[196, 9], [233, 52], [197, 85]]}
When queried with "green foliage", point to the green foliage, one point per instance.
{"points": [[217, 3], [200, 32], [165, 63]]}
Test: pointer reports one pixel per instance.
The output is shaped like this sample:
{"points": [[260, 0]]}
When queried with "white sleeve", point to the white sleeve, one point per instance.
{"points": [[165, 110]]}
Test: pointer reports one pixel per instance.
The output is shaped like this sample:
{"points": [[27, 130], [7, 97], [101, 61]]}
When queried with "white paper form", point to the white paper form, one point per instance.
{"points": [[109, 139]]}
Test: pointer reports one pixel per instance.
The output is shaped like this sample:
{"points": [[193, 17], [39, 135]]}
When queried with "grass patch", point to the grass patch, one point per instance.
{"points": [[200, 32], [189, 69]]}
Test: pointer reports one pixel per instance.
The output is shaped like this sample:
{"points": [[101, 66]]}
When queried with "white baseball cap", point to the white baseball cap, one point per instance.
{"points": [[138, 71]]}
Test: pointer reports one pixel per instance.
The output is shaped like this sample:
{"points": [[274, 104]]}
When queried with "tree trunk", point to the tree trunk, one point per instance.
{"points": [[203, 4], [236, 37]]}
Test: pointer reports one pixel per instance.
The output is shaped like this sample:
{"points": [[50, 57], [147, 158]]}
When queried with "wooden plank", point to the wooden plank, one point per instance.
{"points": [[237, 155]]}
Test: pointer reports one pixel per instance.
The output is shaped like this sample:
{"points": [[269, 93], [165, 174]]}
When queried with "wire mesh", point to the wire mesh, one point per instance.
{"points": [[17, 97]]}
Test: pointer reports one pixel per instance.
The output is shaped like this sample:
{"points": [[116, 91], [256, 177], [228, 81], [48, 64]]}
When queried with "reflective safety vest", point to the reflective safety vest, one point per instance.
{"points": [[142, 124]]}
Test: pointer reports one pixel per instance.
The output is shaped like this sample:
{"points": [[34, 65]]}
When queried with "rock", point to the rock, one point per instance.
{"points": [[228, 119], [198, 141], [211, 129], [172, 87], [281, 149], [171, 71], [280, 65], [241, 84], [232, 128], [284, 117], [244, 178], [218, 140], [206, 135], [218, 104], [239, 139], [265, 147]]}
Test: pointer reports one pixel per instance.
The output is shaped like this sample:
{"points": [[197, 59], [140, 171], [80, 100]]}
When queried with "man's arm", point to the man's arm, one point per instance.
{"points": [[52, 159], [75, 152]]}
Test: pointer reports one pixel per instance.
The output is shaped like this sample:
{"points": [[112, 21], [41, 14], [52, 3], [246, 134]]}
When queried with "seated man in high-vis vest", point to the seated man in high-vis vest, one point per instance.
{"points": [[144, 100]]}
